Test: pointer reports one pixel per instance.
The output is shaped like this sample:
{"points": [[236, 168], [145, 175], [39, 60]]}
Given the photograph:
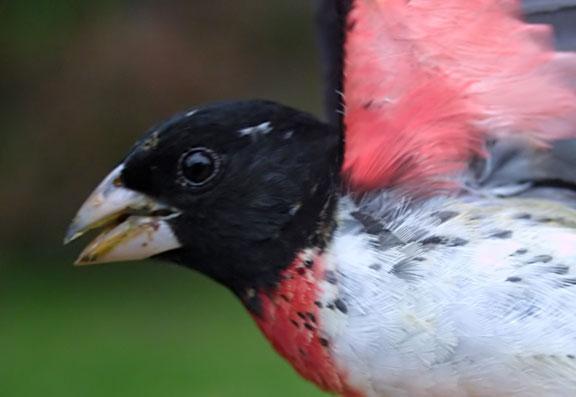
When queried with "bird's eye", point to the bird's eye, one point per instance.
{"points": [[199, 166]]}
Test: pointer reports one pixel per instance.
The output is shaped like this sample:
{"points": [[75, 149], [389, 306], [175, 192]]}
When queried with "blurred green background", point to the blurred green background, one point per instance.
{"points": [[79, 82]]}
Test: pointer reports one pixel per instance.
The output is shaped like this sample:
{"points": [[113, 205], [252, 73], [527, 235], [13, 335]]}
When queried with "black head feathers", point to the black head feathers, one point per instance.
{"points": [[250, 180]]}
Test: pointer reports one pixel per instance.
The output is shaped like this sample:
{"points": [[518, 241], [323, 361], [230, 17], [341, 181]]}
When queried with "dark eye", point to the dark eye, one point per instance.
{"points": [[199, 166]]}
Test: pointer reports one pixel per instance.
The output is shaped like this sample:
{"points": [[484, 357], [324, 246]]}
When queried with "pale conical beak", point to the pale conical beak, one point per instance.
{"points": [[134, 225]]}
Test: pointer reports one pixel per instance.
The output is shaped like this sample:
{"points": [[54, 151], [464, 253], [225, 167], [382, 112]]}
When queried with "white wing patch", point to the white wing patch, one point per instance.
{"points": [[260, 129]]}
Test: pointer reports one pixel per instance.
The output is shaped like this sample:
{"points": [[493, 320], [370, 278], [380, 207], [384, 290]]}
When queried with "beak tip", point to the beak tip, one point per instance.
{"points": [[73, 233], [67, 240]]}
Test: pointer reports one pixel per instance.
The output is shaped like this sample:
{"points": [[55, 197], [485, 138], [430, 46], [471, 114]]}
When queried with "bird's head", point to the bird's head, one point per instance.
{"points": [[234, 190]]}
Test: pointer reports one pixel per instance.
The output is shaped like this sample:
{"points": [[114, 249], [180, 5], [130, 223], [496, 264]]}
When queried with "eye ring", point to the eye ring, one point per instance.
{"points": [[198, 167]]}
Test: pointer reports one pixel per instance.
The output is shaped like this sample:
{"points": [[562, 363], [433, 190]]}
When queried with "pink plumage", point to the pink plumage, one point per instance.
{"points": [[427, 82]]}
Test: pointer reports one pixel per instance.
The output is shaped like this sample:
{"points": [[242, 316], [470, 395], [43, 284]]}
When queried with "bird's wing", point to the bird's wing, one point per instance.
{"points": [[437, 92]]}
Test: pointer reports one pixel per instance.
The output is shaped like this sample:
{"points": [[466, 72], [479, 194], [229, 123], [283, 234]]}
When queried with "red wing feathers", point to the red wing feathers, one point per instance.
{"points": [[426, 83]]}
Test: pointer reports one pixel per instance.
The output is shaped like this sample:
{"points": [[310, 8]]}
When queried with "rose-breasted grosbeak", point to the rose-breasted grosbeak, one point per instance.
{"points": [[422, 244]]}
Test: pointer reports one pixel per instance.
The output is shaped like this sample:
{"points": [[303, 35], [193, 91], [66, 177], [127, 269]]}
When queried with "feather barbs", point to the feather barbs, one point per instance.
{"points": [[426, 83]]}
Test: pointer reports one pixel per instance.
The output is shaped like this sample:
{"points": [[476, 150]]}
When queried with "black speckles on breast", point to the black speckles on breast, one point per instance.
{"points": [[568, 282], [514, 279], [311, 317], [308, 321], [433, 240], [308, 263], [330, 276], [456, 242], [309, 327], [445, 216], [376, 266], [406, 270], [501, 234], [370, 224], [522, 216], [340, 305], [559, 269], [388, 240], [444, 240], [540, 259], [520, 252]]}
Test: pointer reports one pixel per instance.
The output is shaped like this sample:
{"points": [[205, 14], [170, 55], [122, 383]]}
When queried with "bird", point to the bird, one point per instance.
{"points": [[420, 242]]}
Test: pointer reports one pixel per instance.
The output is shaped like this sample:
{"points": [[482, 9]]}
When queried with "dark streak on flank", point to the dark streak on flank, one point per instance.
{"points": [[514, 279], [376, 266]]}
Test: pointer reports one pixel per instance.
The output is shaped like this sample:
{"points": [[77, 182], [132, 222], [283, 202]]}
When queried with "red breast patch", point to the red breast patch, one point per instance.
{"points": [[290, 320]]}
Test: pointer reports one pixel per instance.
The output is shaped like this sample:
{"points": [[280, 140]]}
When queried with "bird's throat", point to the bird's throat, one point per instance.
{"points": [[289, 317]]}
